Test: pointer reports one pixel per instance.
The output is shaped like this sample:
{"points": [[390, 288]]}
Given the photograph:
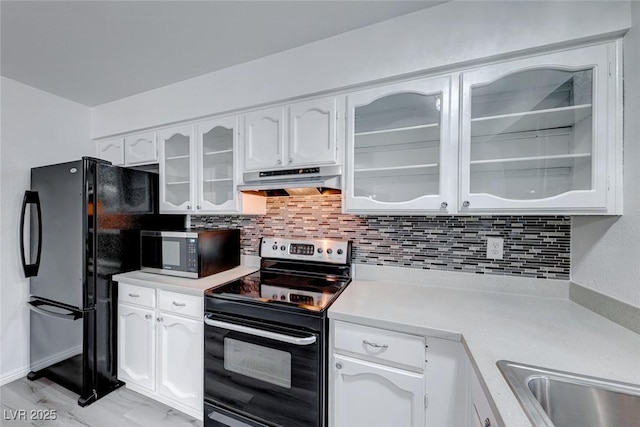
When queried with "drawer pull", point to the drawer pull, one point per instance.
{"points": [[134, 295], [487, 422], [372, 344], [179, 304]]}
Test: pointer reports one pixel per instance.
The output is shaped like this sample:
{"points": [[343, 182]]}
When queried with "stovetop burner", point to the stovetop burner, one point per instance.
{"points": [[294, 275]]}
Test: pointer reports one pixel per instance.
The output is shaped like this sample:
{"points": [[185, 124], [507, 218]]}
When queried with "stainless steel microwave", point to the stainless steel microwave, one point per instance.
{"points": [[190, 253]]}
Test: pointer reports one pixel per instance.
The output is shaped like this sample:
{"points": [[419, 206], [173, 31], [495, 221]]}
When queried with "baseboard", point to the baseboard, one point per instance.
{"points": [[615, 310], [14, 375]]}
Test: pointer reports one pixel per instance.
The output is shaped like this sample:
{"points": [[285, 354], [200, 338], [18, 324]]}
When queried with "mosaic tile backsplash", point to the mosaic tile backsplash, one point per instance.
{"points": [[533, 246]]}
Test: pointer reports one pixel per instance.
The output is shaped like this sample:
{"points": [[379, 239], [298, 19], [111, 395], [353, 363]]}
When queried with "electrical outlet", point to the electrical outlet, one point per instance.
{"points": [[495, 247]]}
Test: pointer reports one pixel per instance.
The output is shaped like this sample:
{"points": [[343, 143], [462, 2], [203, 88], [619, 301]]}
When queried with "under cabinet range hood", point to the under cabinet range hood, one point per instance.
{"points": [[294, 182]]}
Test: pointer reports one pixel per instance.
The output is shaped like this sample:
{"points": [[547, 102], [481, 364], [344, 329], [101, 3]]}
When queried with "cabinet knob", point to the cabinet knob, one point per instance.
{"points": [[290, 160], [147, 316], [197, 206], [188, 206], [338, 365], [466, 203], [159, 319], [444, 205], [279, 162], [487, 422]]}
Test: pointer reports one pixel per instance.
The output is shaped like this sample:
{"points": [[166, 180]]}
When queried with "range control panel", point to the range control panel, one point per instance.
{"points": [[321, 250]]}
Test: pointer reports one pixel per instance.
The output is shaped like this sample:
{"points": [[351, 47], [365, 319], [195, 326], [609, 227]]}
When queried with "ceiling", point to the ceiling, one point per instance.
{"points": [[93, 52]]}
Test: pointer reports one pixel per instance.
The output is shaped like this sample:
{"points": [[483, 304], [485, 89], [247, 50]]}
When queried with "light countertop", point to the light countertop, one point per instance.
{"points": [[181, 284], [549, 332]]}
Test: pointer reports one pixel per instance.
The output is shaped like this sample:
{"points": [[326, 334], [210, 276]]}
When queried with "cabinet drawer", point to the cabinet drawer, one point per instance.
{"points": [[185, 305], [380, 344], [138, 295]]}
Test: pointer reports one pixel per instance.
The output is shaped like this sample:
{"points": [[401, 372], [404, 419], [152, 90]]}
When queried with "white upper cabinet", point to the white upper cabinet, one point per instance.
{"points": [[305, 133], [264, 139], [217, 151], [539, 134], [140, 149], [400, 151], [313, 134], [176, 166], [132, 150], [217, 170], [111, 150], [198, 170]]}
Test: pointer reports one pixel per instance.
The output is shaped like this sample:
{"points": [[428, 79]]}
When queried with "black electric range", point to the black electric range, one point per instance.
{"points": [[266, 336]]}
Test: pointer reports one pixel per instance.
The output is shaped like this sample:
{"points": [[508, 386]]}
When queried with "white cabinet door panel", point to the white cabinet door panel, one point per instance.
{"points": [[372, 395], [141, 148], [136, 346], [264, 139], [179, 356], [313, 135], [177, 185], [111, 150]]}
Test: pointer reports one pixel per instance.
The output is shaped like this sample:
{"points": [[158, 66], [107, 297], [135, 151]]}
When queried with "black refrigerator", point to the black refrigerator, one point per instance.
{"points": [[85, 219]]}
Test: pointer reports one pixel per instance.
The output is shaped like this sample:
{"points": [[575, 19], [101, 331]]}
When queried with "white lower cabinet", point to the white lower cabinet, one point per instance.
{"points": [[377, 378], [370, 394], [179, 355], [136, 346], [382, 378], [481, 414], [160, 346]]}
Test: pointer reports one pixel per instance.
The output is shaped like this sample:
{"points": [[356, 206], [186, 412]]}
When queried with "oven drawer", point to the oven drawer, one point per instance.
{"points": [[184, 305], [380, 344], [139, 295]]}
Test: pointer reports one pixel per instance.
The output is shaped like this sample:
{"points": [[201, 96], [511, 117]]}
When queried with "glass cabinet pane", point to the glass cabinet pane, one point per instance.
{"points": [[217, 165], [396, 155], [177, 169], [532, 134]]}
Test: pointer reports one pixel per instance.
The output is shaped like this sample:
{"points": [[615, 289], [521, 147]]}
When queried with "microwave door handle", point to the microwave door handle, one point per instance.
{"points": [[30, 198], [35, 307], [260, 333]]}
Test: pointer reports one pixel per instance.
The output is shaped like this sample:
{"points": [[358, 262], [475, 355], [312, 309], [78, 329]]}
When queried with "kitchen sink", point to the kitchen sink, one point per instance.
{"points": [[561, 399]]}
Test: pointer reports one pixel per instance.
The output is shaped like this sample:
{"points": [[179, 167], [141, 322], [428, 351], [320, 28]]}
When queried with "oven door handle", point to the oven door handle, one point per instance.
{"points": [[260, 333]]}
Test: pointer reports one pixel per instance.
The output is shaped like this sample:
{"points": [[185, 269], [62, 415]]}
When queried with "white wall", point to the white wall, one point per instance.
{"points": [[37, 128], [605, 252], [453, 33]]}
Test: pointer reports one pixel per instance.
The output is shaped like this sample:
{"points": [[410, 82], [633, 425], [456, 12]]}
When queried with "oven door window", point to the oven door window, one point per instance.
{"points": [[251, 371], [259, 362]]}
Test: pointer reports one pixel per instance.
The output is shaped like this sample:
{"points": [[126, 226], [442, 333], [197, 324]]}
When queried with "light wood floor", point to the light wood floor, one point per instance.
{"points": [[120, 408]]}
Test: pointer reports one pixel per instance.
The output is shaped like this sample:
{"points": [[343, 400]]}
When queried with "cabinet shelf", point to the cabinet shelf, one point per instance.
{"points": [[219, 180], [212, 153], [402, 129], [389, 138], [530, 120], [396, 168], [186, 156], [532, 158], [178, 183]]}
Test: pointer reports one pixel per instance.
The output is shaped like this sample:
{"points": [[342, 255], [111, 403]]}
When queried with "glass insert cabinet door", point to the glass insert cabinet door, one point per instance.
{"points": [[176, 185], [217, 143], [534, 133], [398, 143]]}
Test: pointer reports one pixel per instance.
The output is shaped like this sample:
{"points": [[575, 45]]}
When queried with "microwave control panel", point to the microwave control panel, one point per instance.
{"points": [[192, 255]]}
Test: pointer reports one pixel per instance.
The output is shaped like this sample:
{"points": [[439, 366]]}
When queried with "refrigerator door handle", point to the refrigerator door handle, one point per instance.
{"points": [[30, 197], [34, 306]]}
